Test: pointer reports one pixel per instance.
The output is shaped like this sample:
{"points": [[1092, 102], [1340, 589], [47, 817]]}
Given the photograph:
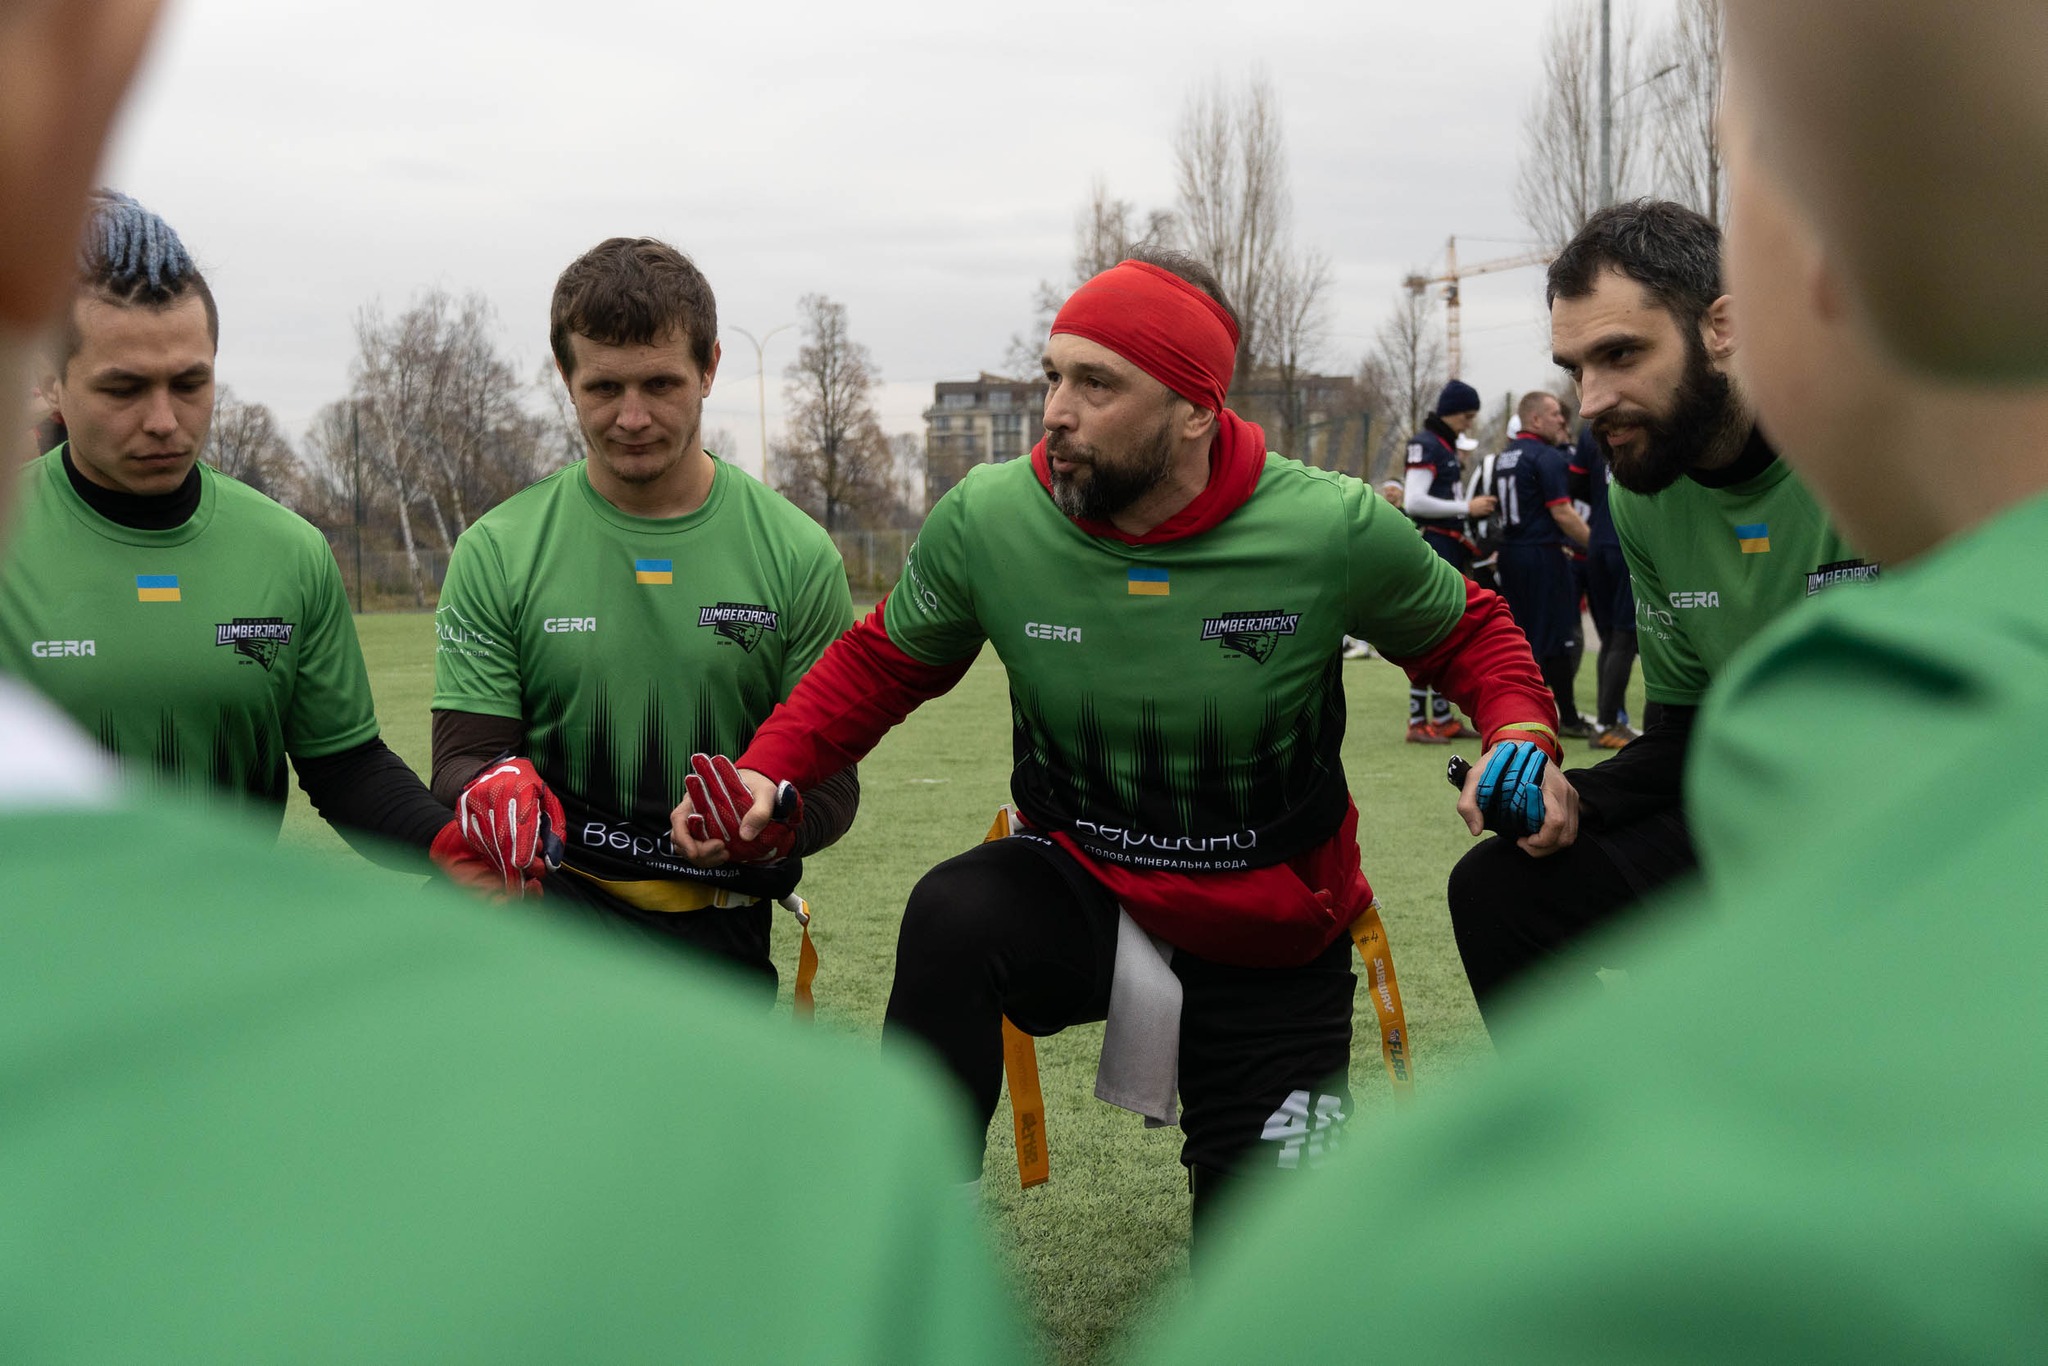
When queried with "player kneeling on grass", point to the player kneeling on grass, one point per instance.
{"points": [[1720, 539], [191, 625], [644, 604], [1168, 600]]}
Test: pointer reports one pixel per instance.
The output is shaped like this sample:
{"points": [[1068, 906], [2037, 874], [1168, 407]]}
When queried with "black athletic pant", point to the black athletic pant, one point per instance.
{"points": [[1612, 602], [1015, 927], [1514, 914], [734, 937]]}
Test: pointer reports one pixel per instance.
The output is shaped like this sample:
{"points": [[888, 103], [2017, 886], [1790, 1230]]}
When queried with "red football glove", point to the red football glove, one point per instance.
{"points": [[722, 801], [506, 833]]}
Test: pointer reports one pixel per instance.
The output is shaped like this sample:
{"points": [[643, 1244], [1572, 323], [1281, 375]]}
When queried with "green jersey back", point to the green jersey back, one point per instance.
{"points": [[626, 644], [1177, 705], [201, 655], [1713, 566], [319, 1119], [1930, 674]]}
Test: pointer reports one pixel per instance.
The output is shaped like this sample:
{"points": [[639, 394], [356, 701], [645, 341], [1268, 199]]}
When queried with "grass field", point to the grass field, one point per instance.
{"points": [[1093, 1246]]}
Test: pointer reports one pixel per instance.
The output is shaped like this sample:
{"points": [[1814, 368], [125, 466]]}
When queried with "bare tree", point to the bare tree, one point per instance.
{"points": [[560, 429], [1558, 184], [445, 426], [1231, 166], [244, 443], [907, 455], [1402, 375], [1105, 231], [1688, 127], [1291, 336], [836, 462]]}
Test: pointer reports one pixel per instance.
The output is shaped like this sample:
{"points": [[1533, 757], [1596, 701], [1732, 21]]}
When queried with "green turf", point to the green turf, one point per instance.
{"points": [[1109, 1231]]}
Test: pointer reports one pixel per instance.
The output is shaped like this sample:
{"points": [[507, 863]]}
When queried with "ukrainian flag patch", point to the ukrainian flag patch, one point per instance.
{"points": [[1754, 538], [1149, 583], [654, 571], [156, 588]]}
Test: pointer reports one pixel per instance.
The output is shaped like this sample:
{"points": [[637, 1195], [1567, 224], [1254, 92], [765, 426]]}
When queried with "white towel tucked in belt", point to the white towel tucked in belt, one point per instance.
{"points": [[1140, 1067]]}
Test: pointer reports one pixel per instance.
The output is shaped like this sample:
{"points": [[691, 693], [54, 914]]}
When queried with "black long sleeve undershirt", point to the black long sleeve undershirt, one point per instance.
{"points": [[374, 801], [1641, 780]]}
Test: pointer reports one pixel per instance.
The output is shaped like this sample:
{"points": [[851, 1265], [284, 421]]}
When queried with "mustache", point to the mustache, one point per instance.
{"points": [[1621, 417], [1059, 444]]}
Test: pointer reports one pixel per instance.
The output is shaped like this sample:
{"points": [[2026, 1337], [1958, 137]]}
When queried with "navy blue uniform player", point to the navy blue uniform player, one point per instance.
{"points": [[1608, 595], [1434, 497], [1535, 521]]}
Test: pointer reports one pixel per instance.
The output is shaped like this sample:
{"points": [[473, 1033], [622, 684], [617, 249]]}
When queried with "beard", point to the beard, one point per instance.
{"points": [[1702, 417], [1103, 487]]}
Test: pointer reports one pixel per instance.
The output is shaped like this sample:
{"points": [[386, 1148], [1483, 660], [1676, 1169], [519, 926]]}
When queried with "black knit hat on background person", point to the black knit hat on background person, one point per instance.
{"points": [[1457, 397]]}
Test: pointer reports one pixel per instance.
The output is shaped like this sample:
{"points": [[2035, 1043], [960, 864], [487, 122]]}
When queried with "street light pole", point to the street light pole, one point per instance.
{"points": [[1606, 103], [761, 368]]}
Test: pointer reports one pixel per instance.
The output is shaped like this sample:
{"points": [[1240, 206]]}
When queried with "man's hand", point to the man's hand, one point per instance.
{"points": [[507, 831], [1515, 790], [734, 815], [1481, 505]]}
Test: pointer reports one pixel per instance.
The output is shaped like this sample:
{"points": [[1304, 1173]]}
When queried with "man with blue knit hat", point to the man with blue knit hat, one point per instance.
{"points": [[1434, 498]]}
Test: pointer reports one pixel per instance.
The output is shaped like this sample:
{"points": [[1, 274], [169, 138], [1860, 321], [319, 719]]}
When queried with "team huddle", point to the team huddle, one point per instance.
{"points": [[334, 1120]]}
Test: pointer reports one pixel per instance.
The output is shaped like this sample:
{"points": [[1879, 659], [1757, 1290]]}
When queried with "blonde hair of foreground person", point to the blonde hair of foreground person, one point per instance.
{"points": [[1938, 208], [64, 66]]}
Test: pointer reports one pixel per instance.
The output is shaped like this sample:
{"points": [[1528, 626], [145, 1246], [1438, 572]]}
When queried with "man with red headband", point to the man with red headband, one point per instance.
{"points": [[1168, 599]]}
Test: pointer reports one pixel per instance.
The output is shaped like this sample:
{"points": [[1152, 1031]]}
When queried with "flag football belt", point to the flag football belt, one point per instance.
{"points": [[1020, 1051], [671, 897]]}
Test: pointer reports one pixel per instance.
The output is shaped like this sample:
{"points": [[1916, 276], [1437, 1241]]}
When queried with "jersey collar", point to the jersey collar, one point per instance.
{"points": [[1237, 458]]}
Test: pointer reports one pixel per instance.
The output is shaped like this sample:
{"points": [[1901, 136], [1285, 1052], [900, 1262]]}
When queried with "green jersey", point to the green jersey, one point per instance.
{"points": [[1873, 693], [1712, 565], [318, 1119], [1175, 705], [202, 655], [626, 644]]}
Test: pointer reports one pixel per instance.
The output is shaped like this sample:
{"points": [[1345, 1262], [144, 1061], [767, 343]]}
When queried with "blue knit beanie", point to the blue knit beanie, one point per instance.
{"points": [[1457, 397]]}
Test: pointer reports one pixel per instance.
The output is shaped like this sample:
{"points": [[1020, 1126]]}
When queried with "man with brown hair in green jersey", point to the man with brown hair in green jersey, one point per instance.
{"points": [[194, 626], [1168, 599], [647, 603], [263, 1108]]}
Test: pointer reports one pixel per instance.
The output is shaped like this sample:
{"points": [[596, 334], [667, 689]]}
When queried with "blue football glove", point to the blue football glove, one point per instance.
{"points": [[1510, 793]]}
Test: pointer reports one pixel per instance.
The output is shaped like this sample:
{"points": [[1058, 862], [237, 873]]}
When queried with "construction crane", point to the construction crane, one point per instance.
{"points": [[1453, 273]]}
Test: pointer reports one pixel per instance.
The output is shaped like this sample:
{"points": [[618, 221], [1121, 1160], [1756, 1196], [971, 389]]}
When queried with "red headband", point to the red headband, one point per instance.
{"points": [[1160, 323]]}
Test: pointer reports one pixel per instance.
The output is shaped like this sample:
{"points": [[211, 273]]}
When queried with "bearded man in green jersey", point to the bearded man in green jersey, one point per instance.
{"points": [[1168, 599], [1720, 538], [646, 603], [195, 627]]}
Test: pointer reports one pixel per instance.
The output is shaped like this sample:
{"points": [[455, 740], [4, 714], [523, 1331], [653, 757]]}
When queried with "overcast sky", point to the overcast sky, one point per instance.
{"points": [[921, 163]]}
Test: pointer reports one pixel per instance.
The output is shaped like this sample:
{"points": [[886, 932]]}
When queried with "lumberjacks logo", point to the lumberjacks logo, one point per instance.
{"points": [[739, 622], [256, 639], [1841, 571], [1251, 634]]}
